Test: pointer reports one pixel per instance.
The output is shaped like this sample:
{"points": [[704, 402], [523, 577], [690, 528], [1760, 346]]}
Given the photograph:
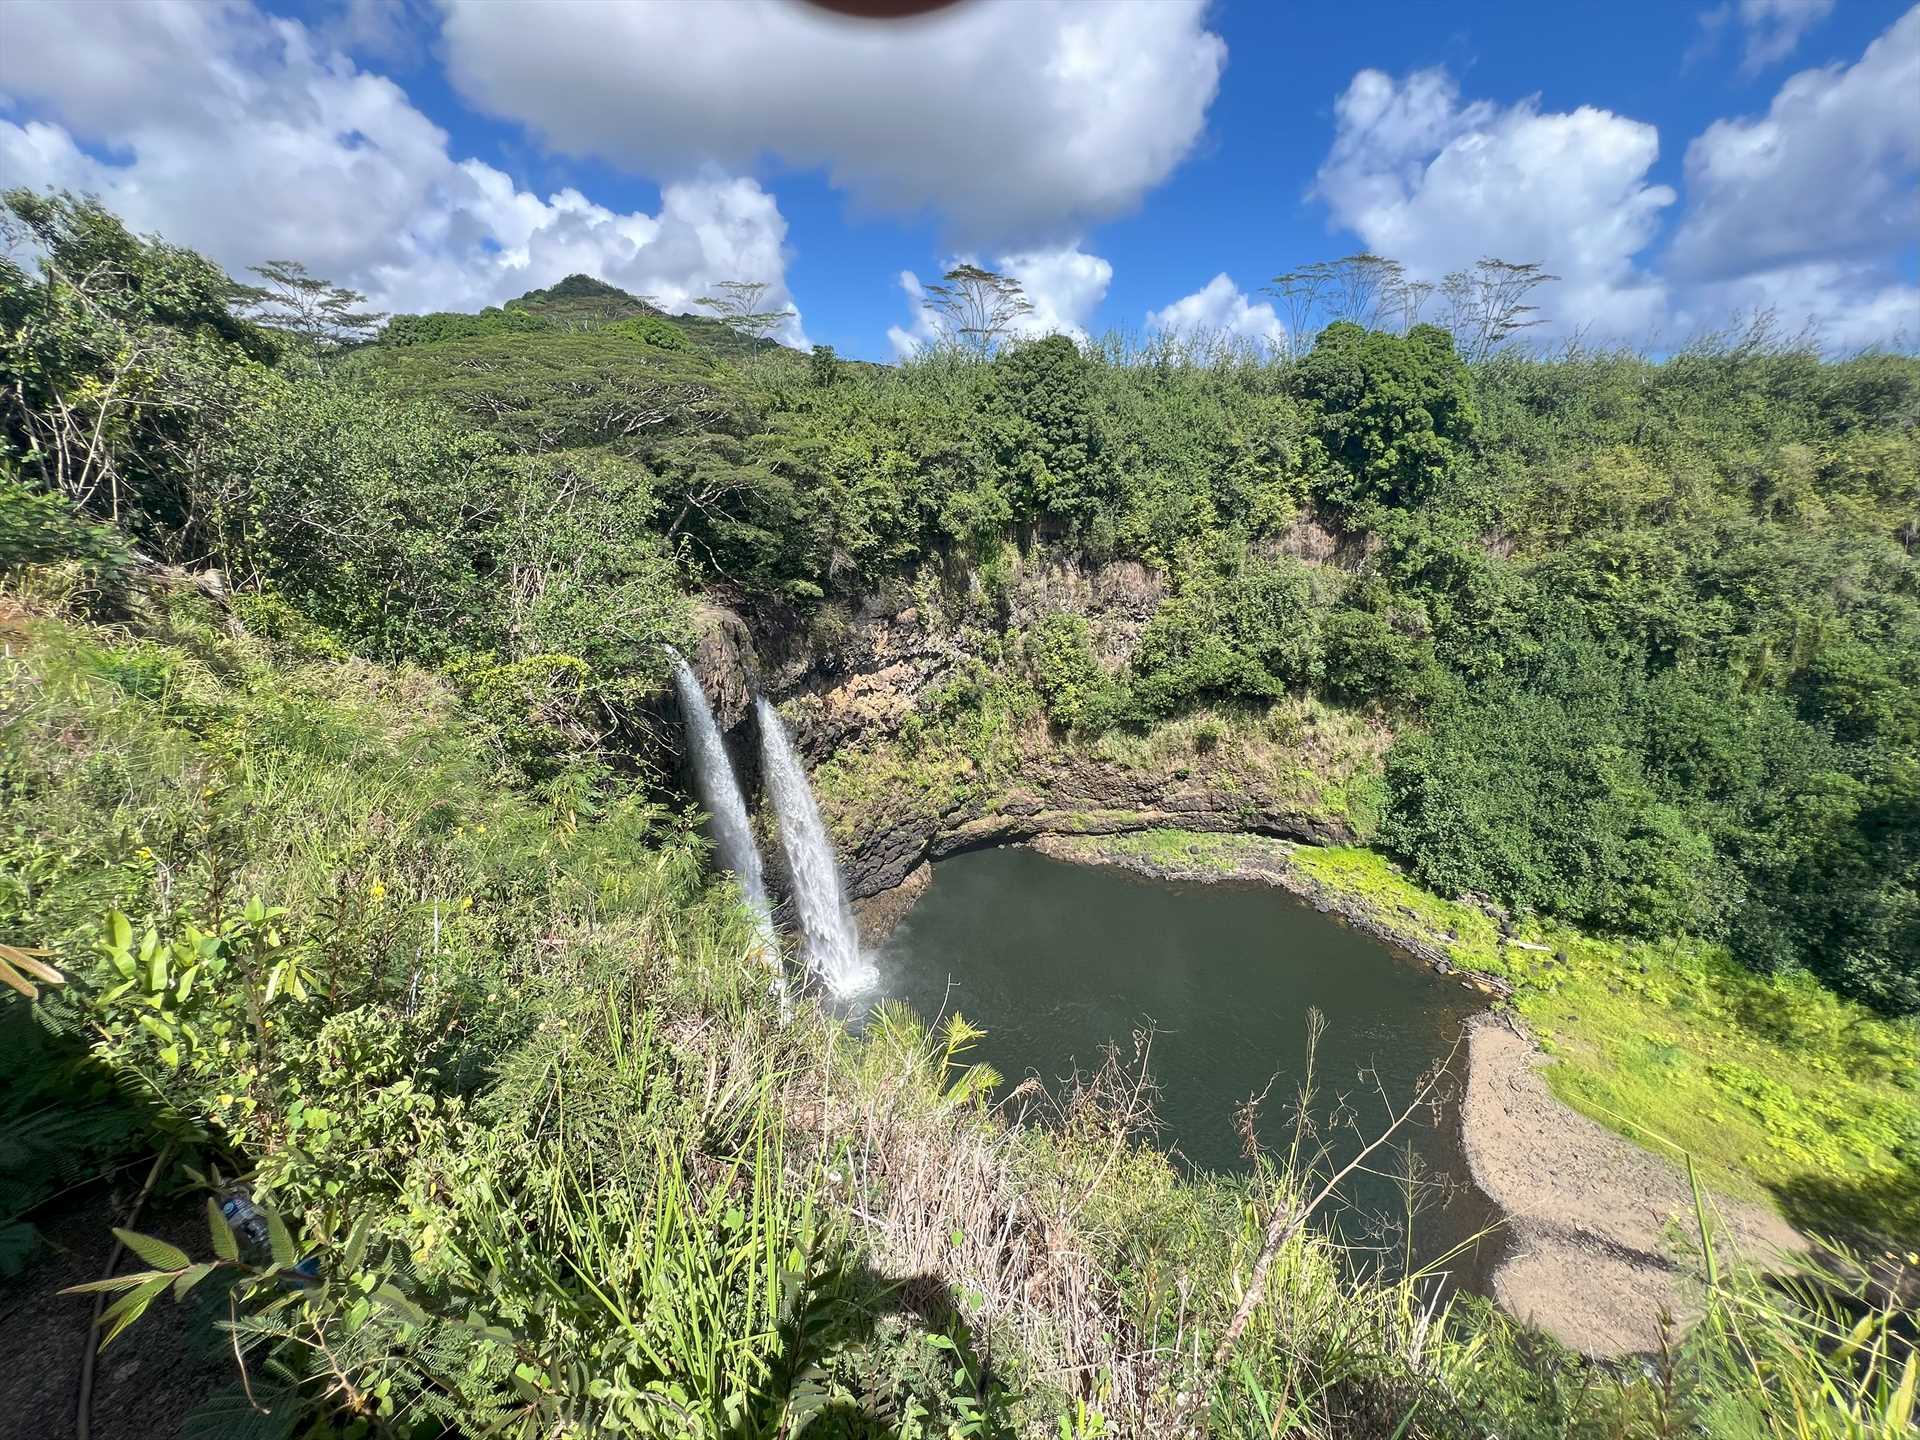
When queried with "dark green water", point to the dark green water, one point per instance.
{"points": [[1057, 960]]}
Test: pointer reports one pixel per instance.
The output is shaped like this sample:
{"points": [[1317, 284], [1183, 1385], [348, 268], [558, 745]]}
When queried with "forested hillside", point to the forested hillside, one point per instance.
{"points": [[1649, 632], [342, 789]]}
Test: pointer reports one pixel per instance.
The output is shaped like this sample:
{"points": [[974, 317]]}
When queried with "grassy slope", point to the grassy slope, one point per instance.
{"points": [[157, 763], [365, 799]]}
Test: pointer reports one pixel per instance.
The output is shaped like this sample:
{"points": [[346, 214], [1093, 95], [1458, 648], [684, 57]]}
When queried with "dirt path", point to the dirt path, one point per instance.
{"points": [[153, 1374], [1593, 1217]]}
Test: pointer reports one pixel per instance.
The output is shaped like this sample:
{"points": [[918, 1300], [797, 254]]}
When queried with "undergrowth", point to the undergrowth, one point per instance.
{"points": [[537, 1158]]}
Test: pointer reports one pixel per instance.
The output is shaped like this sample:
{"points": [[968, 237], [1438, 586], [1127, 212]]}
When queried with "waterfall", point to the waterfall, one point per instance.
{"points": [[720, 793], [826, 918]]}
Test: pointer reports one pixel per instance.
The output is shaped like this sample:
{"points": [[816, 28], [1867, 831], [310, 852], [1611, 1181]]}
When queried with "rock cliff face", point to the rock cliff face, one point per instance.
{"points": [[723, 658], [848, 688], [1072, 795]]}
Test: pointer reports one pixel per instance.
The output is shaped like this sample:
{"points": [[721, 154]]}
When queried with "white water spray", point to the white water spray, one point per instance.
{"points": [[832, 939], [732, 834]]}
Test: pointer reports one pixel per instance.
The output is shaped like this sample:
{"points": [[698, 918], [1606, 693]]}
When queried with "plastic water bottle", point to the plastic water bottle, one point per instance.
{"points": [[245, 1221]]}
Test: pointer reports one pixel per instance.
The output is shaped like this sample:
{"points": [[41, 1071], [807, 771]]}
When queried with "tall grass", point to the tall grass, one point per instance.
{"points": [[1825, 1350], [574, 1178]]}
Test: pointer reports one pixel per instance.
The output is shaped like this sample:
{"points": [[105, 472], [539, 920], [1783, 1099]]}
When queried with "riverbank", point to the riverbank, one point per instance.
{"points": [[1791, 1132], [1600, 1228], [1594, 1221]]}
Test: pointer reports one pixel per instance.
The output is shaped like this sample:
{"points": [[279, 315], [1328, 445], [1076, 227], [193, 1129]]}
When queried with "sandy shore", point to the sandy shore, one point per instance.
{"points": [[1594, 1218]]}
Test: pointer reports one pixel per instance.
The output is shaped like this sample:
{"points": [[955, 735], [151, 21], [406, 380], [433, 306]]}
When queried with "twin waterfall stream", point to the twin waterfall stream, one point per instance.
{"points": [[830, 940]]}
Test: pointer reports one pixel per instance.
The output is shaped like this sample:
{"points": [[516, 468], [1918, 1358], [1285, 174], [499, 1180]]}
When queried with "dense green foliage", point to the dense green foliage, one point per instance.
{"points": [[1650, 632], [333, 786], [1396, 412], [538, 1160]]}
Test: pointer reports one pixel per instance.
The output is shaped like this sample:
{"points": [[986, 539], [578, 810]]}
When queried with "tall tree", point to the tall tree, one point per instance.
{"points": [[1487, 304], [1367, 290], [119, 363], [1395, 411], [320, 314], [741, 305], [977, 308]]}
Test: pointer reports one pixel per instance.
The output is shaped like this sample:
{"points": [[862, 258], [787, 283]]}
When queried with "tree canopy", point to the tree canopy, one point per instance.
{"points": [[1646, 632]]}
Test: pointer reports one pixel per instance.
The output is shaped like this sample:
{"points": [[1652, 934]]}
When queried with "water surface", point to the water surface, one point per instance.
{"points": [[1057, 960]]}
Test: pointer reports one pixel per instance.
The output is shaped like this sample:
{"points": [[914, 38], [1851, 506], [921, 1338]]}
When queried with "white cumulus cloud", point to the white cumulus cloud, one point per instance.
{"points": [[1436, 182], [1066, 286], [1219, 309], [1806, 210], [249, 138], [1831, 171], [1017, 121]]}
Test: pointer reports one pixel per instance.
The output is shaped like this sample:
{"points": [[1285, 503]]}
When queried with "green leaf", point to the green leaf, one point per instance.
{"points": [[225, 1243], [280, 1241], [119, 1282], [389, 1296], [157, 1027], [357, 1243], [192, 1277], [154, 957], [130, 1307], [119, 931], [157, 1253]]}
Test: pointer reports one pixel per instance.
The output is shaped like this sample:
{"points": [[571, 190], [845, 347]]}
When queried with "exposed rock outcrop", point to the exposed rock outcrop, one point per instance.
{"points": [[723, 660], [849, 680], [1069, 794], [878, 914]]}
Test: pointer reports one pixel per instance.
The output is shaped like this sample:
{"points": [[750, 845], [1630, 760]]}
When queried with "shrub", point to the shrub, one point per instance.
{"points": [[1533, 789], [42, 529], [1051, 449], [1253, 635], [442, 325], [1396, 411], [654, 330], [1077, 693], [1365, 660]]}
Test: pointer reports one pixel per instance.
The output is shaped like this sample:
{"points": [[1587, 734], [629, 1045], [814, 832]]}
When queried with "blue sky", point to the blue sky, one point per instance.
{"points": [[1674, 164]]}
